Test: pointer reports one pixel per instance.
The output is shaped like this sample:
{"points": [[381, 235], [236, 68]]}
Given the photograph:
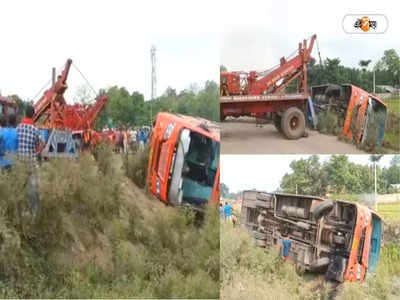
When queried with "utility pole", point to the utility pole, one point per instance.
{"points": [[153, 81], [374, 80]]}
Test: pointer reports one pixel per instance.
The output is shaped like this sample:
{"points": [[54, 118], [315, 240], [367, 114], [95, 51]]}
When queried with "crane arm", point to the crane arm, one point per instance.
{"points": [[257, 86], [54, 94]]}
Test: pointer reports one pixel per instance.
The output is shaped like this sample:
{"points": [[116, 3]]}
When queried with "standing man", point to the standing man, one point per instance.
{"points": [[228, 211], [9, 134], [285, 247], [29, 145], [221, 212]]}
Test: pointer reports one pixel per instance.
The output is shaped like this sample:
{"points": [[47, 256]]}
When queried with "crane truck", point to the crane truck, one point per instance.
{"points": [[261, 95]]}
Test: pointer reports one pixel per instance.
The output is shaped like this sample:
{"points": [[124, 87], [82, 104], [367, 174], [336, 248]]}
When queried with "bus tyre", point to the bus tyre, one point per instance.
{"points": [[322, 209], [293, 123], [277, 122]]}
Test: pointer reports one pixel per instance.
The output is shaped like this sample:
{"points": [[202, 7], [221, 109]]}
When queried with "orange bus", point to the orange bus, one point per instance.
{"points": [[342, 239], [183, 164], [351, 102]]}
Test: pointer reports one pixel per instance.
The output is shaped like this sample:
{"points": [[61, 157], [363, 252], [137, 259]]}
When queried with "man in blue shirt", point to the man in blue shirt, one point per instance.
{"points": [[285, 247], [228, 211], [221, 211], [9, 135], [4, 162]]}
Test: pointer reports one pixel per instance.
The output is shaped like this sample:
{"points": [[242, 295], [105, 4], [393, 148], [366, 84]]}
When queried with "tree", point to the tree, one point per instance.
{"points": [[388, 68], [391, 175], [222, 68], [307, 178], [364, 64], [83, 94], [224, 189]]}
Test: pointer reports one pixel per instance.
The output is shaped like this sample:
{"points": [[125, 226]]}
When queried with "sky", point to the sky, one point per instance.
{"points": [[109, 41], [258, 34], [264, 172]]}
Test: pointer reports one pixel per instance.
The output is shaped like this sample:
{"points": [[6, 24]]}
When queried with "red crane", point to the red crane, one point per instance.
{"points": [[260, 94], [52, 111], [268, 82]]}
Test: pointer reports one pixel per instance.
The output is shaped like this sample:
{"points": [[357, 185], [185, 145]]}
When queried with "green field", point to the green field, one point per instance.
{"points": [[389, 211], [393, 105]]}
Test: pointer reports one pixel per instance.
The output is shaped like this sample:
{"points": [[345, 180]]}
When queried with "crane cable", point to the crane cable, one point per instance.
{"points": [[83, 76]]}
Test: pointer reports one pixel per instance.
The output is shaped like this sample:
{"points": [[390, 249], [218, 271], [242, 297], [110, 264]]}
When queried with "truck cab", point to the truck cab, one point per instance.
{"points": [[341, 239], [183, 165]]}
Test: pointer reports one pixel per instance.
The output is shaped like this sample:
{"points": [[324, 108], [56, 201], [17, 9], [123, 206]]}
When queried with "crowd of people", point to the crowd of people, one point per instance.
{"points": [[22, 142], [131, 138]]}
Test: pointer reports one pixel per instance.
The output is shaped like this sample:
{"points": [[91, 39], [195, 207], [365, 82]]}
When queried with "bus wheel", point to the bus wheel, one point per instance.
{"points": [[322, 209], [293, 123]]}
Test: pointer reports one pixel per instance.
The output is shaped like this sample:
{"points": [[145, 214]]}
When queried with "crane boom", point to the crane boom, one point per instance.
{"points": [[52, 101], [272, 81], [287, 70]]}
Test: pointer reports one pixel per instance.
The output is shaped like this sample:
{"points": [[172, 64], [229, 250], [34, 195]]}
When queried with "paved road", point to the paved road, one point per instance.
{"points": [[241, 136]]}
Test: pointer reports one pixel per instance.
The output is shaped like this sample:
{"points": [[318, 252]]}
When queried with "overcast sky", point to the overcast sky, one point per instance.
{"points": [[256, 35], [110, 43], [264, 172]]}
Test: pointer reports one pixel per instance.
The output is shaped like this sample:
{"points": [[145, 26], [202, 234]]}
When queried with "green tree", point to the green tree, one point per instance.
{"points": [[388, 68], [307, 177], [224, 189], [222, 68]]}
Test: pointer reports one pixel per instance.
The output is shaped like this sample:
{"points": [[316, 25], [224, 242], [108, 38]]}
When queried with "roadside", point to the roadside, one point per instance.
{"points": [[241, 136]]}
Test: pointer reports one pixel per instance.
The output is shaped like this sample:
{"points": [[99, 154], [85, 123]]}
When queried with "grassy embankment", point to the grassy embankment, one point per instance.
{"points": [[97, 235]]}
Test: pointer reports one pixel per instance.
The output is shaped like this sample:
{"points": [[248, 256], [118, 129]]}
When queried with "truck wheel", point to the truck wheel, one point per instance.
{"points": [[322, 209], [293, 123], [277, 122]]}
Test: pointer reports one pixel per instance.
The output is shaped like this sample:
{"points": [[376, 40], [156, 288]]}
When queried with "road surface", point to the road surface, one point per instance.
{"points": [[241, 136]]}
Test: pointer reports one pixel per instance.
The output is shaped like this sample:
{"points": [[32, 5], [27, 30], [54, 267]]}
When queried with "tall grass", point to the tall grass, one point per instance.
{"points": [[135, 166], [249, 272], [89, 242]]}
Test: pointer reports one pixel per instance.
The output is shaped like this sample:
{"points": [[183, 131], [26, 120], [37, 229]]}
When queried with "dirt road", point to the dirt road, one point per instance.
{"points": [[241, 136]]}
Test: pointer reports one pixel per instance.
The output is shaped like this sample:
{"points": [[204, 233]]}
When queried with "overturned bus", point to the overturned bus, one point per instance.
{"points": [[183, 165], [339, 238], [361, 115]]}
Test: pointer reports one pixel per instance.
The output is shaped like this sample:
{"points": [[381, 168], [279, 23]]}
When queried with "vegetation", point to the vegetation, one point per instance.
{"points": [[249, 272], [338, 176], [93, 239], [131, 110], [225, 193], [135, 166]]}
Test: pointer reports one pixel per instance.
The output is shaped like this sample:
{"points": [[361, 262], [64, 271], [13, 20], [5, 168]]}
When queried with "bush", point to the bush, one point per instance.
{"points": [[135, 166]]}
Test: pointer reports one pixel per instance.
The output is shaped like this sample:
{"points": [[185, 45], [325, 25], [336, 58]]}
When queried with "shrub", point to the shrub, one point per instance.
{"points": [[135, 166]]}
